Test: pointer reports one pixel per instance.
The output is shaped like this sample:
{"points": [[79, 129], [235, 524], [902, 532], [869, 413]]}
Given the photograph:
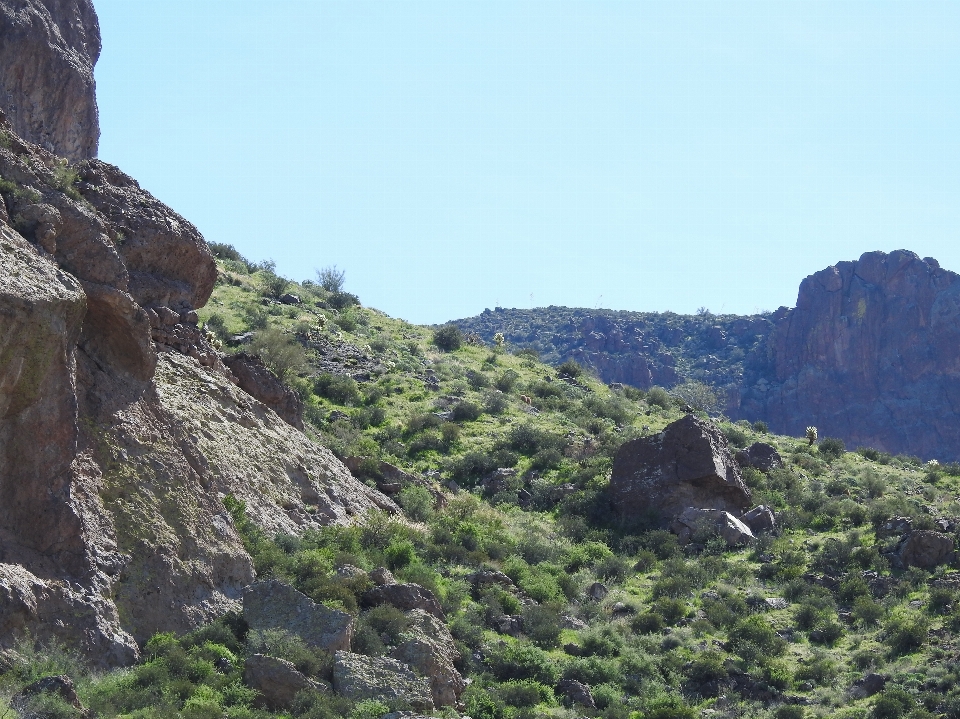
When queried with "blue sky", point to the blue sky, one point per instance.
{"points": [[454, 155]]}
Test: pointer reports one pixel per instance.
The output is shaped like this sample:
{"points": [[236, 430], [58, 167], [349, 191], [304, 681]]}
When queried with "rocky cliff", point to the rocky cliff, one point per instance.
{"points": [[869, 354], [121, 430], [47, 52]]}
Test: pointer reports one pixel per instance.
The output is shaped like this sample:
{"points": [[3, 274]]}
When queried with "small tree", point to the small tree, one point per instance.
{"points": [[331, 279], [702, 397], [811, 435], [499, 340], [448, 338]]}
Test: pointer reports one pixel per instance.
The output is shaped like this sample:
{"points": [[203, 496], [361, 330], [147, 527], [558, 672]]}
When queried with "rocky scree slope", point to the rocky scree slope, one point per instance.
{"points": [[115, 517], [866, 355], [47, 54]]}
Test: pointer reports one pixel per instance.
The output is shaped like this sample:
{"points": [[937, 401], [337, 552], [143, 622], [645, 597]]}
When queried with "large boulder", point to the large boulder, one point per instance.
{"points": [[760, 519], [405, 597], [577, 693], [759, 455], [47, 87], [692, 521], [256, 379], [359, 677], [688, 464], [277, 681], [925, 549], [428, 647], [272, 604]]}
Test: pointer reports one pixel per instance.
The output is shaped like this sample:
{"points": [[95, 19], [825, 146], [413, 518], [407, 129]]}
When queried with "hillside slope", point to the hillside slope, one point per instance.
{"points": [[866, 354]]}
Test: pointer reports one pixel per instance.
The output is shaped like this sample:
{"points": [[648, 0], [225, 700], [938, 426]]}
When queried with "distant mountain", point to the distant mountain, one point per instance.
{"points": [[869, 354]]}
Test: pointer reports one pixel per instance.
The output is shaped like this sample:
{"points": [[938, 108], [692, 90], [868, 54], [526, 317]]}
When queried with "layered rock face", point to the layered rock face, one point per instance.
{"points": [[47, 88], [869, 354], [121, 430]]}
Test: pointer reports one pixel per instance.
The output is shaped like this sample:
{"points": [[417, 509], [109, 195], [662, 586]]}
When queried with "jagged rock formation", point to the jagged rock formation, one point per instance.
{"points": [[116, 518], [47, 54], [688, 464], [869, 355]]}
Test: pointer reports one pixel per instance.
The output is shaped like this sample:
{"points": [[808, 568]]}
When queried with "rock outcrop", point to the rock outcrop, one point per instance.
{"points": [[276, 680], [692, 522], [925, 549], [47, 88], [117, 519], [359, 677], [258, 381], [759, 455], [868, 355], [405, 597], [688, 464], [275, 605], [428, 647]]}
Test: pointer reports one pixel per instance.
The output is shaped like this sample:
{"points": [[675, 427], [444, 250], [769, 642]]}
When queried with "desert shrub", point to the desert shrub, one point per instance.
{"points": [[477, 380], [893, 704], [570, 369], [417, 503], [736, 436], [603, 642], [523, 661], [525, 693], [338, 388], [905, 632], [753, 638], [341, 301], [789, 711], [465, 412], [612, 408], [283, 645], [702, 397], [481, 704], [725, 611], [647, 623], [449, 338], [494, 402], [659, 397], [662, 543], [866, 611], [832, 448], [941, 600], [760, 427], [331, 279], [668, 707], [541, 623], [279, 351], [707, 667], [593, 670], [507, 380], [272, 284], [528, 440]]}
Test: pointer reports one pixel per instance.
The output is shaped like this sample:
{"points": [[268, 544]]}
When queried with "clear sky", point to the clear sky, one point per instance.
{"points": [[455, 155]]}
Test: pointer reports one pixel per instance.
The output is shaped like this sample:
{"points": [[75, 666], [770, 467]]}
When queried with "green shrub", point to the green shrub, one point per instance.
{"points": [[753, 638], [525, 693], [541, 623], [341, 301], [528, 439], [338, 388], [789, 711], [760, 427], [906, 632], [832, 448], [523, 661], [659, 397], [507, 381], [481, 704], [465, 412], [494, 402], [570, 369], [331, 279], [279, 351], [647, 623], [417, 502], [449, 338], [736, 436], [893, 703], [669, 707]]}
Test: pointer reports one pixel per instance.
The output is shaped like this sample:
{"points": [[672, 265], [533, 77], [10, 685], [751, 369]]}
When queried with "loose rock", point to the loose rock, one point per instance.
{"points": [[734, 532], [405, 597], [277, 680], [925, 549], [759, 455]]}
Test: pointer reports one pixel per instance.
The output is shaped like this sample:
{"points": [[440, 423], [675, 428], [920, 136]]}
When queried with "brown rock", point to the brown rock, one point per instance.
{"points": [[428, 647], [597, 591], [359, 677], [271, 604], [405, 597], [277, 681], [868, 355], [577, 692], [760, 519], [381, 576], [46, 73], [691, 521], [895, 527], [687, 465], [759, 455], [263, 385], [925, 549]]}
